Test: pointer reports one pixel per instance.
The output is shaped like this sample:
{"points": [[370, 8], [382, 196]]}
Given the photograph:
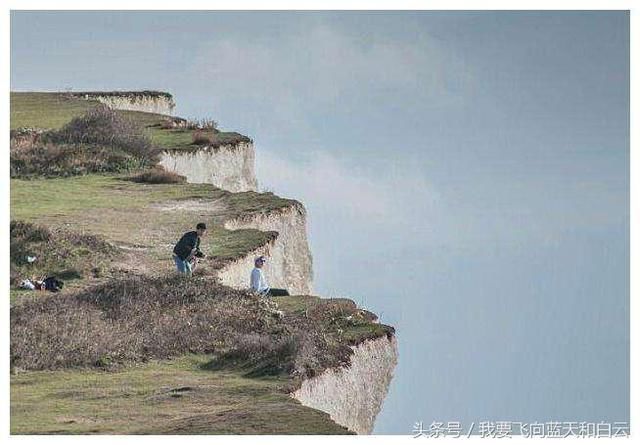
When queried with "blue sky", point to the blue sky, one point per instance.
{"points": [[466, 175]]}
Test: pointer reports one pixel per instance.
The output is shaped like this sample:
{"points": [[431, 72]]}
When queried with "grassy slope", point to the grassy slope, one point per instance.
{"points": [[130, 400], [352, 333], [174, 397], [75, 258], [193, 394], [53, 110], [46, 110], [148, 219]]}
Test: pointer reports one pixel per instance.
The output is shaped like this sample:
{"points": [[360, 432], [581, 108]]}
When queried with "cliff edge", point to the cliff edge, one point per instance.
{"points": [[336, 373], [353, 395]]}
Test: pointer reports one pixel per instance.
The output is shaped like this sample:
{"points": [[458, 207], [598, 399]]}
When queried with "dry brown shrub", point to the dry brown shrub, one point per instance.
{"points": [[142, 318], [200, 137], [105, 127], [158, 175]]}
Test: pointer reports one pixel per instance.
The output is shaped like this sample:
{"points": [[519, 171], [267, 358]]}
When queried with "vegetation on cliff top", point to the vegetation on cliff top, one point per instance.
{"points": [[51, 111], [210, 358], [101, 140], [68, 255], [128, 338], [136, 94], [158, 175], [180, 396], [140, 318], [145, 219]]}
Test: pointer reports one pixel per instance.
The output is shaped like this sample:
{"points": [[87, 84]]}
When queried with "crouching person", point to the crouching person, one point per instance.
{"points": [[259, 282], [187, 249]]}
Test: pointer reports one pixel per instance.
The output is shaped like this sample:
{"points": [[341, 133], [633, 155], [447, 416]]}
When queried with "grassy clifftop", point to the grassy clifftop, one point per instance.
{"points": [[178, 396], [53, 110], [128, 347], [141, 356], [46, 110]]}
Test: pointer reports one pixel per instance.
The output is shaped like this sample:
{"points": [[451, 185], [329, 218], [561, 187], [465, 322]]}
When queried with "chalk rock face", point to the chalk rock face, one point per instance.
{"points": [[149, 103], [353, 395], [229, 167], [289, 264]]}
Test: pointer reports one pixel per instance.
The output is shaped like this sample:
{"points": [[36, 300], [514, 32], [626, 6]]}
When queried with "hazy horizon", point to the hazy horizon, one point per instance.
{"points": [[466, 176]]}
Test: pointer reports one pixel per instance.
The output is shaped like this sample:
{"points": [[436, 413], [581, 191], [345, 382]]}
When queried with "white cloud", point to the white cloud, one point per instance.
{"points": [[355, 203], [364, 204], [322, 64]]}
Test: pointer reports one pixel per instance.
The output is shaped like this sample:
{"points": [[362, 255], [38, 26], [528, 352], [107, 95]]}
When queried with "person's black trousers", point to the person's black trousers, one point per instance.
{"points": [[278, 292]]}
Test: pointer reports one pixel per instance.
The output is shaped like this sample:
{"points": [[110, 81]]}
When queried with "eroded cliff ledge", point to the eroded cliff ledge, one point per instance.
{"points": [[229, 166], [290, 262], [156, 102], [353, 395], [260, 223]]}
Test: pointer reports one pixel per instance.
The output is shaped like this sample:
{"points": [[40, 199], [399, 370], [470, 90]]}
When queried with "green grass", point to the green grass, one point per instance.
{"points": [[178, 138], [354, 324], [182, 139], [59, 197], [46, 110], [72, 196], [53, 110], [17, 295], [180, 396], [72, 257], [147, 217], [192, 394]]}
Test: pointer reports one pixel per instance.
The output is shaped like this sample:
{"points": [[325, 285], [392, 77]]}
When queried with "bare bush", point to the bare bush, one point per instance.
{"points": [[58, 252], [202, 124], [106, 127], [142, 318], [68, 160], [173, 122], [25, 137], [100, 141], [158, 175], [133, 319], [200, 137], [28, 232]]}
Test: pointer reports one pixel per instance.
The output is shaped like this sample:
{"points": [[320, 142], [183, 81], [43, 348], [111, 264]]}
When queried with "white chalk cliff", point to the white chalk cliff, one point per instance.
{"points": [[229, 167], [289, 265], [352, 395], [148, 102]]}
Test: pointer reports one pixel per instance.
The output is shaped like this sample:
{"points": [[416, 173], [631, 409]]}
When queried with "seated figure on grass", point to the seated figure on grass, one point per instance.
{"points": [[187, 250], [259, 282]]}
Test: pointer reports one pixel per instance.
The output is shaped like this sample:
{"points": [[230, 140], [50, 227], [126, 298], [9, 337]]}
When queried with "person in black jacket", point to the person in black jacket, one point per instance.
{"points": [[188, 248]]}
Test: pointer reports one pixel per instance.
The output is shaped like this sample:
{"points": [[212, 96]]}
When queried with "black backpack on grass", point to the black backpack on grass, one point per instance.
{"points": [[53, 284]]}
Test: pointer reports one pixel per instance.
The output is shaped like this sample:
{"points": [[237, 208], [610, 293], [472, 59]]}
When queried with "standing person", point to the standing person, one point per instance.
{"points": [[188, 248], [259, 282]]}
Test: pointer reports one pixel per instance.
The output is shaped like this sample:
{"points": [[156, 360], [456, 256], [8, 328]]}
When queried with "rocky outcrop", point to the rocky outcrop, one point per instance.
{"points": [[353, 395], [148, 101], [229, 167], [289, 262]]}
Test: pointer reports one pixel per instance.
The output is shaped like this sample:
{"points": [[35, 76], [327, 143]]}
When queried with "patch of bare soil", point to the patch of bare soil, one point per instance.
{"points": [[191, 205]]}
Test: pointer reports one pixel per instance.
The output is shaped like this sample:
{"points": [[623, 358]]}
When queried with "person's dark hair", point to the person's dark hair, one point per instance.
{"points": [[202, 226]]}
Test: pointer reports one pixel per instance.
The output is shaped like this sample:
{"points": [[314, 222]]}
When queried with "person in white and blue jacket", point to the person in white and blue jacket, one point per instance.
{"points": [[259, 282]]}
